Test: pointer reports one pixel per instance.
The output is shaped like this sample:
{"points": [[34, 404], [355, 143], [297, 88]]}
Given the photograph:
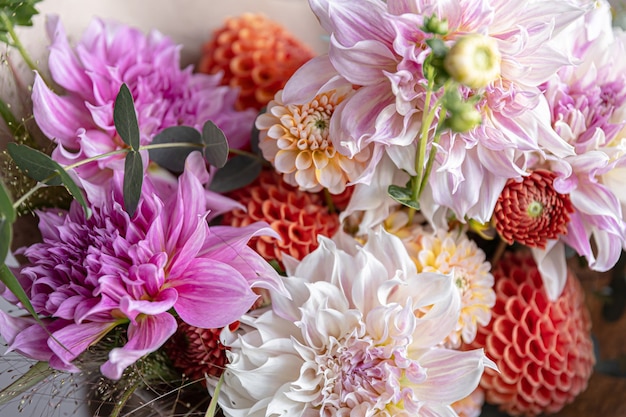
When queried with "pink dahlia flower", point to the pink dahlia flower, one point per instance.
{"points": [[88, 276], [378, 46], [359, 336], [588, 108], [80, 120]]}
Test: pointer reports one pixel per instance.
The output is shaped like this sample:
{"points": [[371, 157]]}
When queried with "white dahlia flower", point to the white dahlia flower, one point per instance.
{"points": [[360, 336]]}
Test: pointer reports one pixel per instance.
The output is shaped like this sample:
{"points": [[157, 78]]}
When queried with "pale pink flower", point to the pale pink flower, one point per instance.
{"points": [[588, 109], [80, 120], [353, 340], [379, 47], [88, 276]]}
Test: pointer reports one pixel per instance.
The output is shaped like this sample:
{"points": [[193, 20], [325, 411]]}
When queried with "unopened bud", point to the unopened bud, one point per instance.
{"points": [[474, 61], [435, 25], [463, 117]]}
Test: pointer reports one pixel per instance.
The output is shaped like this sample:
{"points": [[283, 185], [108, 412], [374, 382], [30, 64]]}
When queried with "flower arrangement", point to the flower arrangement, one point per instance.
{"points": [[391, 227]]}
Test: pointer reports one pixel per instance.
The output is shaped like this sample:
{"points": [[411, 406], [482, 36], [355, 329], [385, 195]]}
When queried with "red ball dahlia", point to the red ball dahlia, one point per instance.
{"points": [[543, 349], [297, 216], [532, 212], [256, 55], [196, 352]]}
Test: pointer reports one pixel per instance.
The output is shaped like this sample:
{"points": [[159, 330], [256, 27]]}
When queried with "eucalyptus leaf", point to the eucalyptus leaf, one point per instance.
{"points": [[6, 236], [6, 204], [238, 172], [37, 165], [15, 13], [133, 179], [403, 195], [216, 145], [37, 373], [125, 118], [10, 281], [42, 168], [173, 158], [7, 218], [74, 190]]}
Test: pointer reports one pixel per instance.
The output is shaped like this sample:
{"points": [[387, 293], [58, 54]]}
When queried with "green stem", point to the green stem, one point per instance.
{"points": [[18, 45], [119, 405], [28, 194], [427, 121], [433, 151], [244, 153]]}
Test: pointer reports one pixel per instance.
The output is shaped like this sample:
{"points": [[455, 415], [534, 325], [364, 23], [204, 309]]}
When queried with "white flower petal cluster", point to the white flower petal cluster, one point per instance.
{"points": [[360, 336]]}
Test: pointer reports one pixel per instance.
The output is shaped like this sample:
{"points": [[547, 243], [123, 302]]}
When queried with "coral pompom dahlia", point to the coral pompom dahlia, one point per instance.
{"points": [[297, 216], [532, 212], [543, 348], [255, 55]]}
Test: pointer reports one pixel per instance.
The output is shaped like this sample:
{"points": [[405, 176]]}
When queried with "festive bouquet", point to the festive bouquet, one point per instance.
{"points": [[388, 228]]}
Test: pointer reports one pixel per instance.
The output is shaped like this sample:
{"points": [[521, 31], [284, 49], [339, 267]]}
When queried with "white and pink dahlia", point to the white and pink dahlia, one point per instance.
{"points": [[80, 119], [588, 109], [88, 276], [353, 339], [379, 47]]}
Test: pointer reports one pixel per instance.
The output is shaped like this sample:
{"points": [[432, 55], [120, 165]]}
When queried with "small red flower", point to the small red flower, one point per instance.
{"points": [[532, 212], [256, 55], [543, 349], [297, 216], [196, 352]]}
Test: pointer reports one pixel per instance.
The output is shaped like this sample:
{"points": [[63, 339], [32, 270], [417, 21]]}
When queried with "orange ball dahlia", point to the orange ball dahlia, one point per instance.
{"points": [[532, 212], [297, 216], [256, 55], [543, 349]]}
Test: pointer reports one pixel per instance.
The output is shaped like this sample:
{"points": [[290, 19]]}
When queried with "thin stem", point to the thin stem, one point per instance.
{"points": [[329, 201], [18, 45], [28, 194], [433, 151], [119, 405], [95, 158], [502, 245], [244, 153]]}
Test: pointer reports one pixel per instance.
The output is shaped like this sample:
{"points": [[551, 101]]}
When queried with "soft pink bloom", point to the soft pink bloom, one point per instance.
{"points": [[360, 336], [588, 109], [80, 120], [91, 275], [379, 47]]}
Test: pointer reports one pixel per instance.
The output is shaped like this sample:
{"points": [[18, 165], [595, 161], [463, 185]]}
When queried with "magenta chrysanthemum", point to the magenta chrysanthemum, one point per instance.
{"points": [[80, 120], [90, 275]]}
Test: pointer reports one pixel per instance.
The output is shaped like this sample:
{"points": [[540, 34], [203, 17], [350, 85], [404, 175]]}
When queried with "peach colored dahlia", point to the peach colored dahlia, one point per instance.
{"points": [[543, 349], [452, 253], [295, 138], [256, 55], [298, 217]]}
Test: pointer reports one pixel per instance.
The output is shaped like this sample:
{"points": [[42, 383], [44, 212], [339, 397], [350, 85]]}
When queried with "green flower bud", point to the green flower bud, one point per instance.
{"points": [[435, 25], [474, 61], [463, 117]]}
